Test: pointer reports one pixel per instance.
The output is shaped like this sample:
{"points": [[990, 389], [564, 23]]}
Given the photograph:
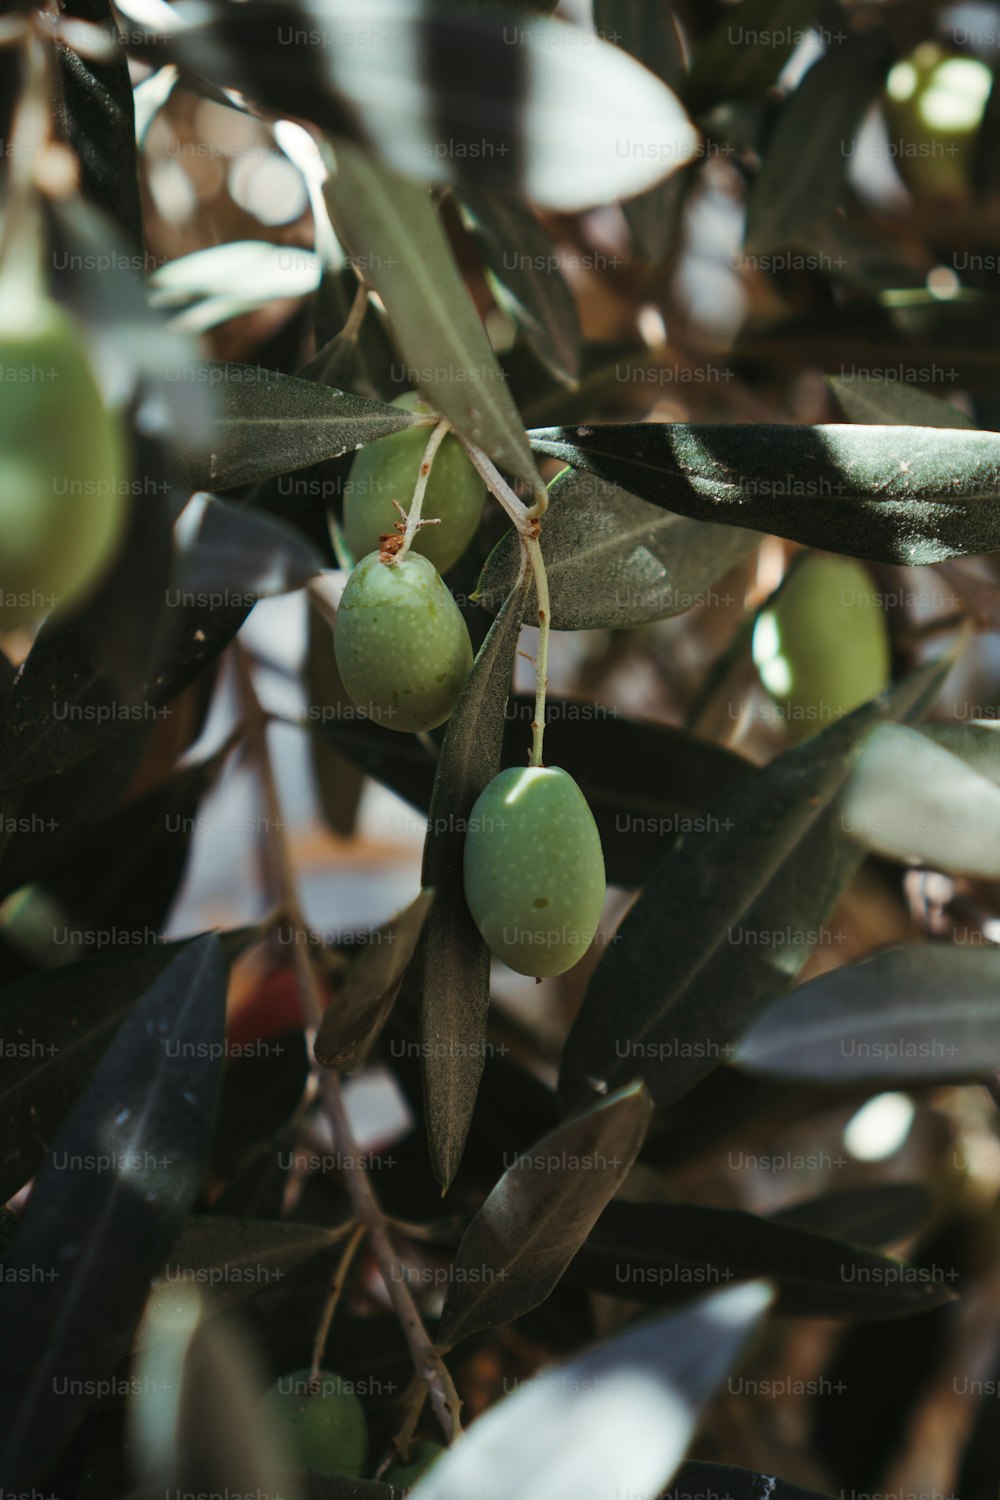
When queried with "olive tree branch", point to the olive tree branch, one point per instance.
{"points": [[427, 1360]]}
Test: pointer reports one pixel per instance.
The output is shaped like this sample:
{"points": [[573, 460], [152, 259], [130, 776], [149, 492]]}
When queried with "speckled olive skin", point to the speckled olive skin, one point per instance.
{"points": [[387, 470], [401, 644], [534, 870], [327, 1431], [64, 499]]}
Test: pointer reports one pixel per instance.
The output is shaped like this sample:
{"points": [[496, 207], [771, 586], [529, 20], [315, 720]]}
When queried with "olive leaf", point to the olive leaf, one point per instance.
{"points": [[711, 1480], [923, 1011], [651, 35], [867, 399], [122, 1175], [877, 1215], [368, 992], [454, 960], [526, 279], [729, 917], [58, 1024], [392, 228], [267, 423], [911, 799], [746, 50], [617, 1418], [394, 74], [614, 561], [795, 195], [889, 494], [655, 1253], [226, 549], [539, 1214]]}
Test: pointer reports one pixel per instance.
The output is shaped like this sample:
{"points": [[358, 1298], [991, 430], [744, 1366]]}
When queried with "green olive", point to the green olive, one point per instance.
{"points": [[401, 644], [822, 646], [325, 1423], [405, 1476], [63, 488], [387, 470], [534, 870], [933, 104]]}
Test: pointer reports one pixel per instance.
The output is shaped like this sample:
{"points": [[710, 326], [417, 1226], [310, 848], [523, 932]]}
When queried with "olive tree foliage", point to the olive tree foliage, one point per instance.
{"points": [[451, 152]]}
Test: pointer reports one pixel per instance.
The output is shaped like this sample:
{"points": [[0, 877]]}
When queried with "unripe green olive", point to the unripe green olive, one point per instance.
{"points": [[387, 470], [405, 1476], [325, 1423], [534, 870], [401, 644], [933, 102], [822, 647], [63, 491]]}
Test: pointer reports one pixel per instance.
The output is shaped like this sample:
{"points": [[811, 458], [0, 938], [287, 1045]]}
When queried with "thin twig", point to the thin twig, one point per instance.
{"points": [[427, 1361], [413, 521], [336, 1290]]}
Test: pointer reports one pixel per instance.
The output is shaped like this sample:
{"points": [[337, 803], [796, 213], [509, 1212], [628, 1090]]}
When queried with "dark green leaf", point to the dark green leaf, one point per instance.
{"points": [[454, 960], [366, 996], [526, 279], [121, 1178], [659, 1252], [539, 1214], [746, 50], [392, 228], [268, 424], [911, 799], [880, 403], [234, 552], [618, 1417], [796, 192], [875, 1216], [551, 126], [889, 494], [713, 1481], [728, 918], [925, 1011], [614, 561], [236, 1259]]}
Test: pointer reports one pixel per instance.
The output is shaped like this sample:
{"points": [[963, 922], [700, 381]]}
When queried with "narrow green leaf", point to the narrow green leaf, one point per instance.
{"points": [[233, 1260], [454, 960], [392, 228], [864, 398], [798, 187], [728, 918], [539, 1214], [121, 1178], [746, 50], [368, 992], [880, 1214], [267, 424], [657, 1253], [614, 561], [924, 1011], [889, 494], [617, 1418], [526, 279], [912, 800]]}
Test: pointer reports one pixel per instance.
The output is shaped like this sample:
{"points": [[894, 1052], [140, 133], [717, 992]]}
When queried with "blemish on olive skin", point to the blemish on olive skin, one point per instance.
{"points": [[541, 901]]}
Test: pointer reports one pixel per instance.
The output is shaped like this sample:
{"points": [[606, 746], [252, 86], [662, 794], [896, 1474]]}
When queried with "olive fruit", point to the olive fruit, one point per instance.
{"points": [[534, 870], [404, 1476], [325, 1424], [401, 644], [63, 495], [821, 646], [387, 470], [933, 104]]}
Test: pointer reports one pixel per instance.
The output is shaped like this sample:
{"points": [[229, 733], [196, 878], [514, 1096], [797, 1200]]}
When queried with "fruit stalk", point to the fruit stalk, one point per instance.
{"points": [[527, 521], [426, 1358], [413, 521]]}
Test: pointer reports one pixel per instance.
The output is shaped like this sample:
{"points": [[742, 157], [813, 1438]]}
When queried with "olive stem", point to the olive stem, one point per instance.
{"points": [[413, 521], [533, 548], [332, 1301], [527, 520], [426, 1358]]}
